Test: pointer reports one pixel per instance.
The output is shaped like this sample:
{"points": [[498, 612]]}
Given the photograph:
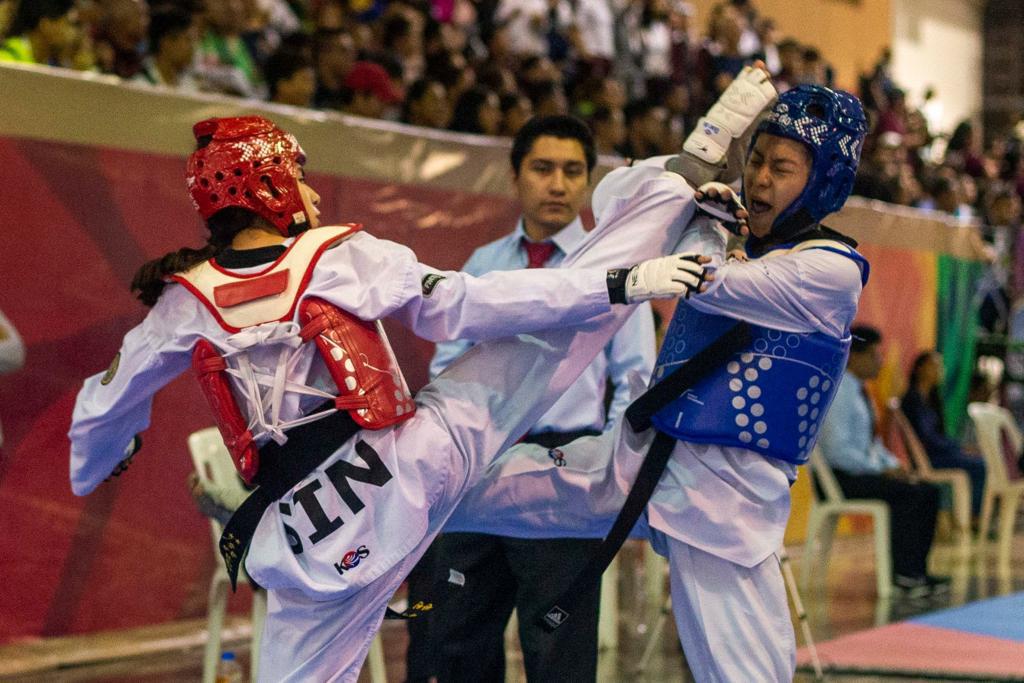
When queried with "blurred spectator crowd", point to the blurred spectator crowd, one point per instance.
{"points": [[907, 159], [640, 72]]}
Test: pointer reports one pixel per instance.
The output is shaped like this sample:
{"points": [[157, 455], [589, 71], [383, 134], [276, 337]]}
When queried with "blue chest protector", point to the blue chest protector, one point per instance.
{"points": [[770, 398]]}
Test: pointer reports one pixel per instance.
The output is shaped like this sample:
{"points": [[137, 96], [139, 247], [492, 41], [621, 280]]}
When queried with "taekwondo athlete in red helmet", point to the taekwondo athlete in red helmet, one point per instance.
{"points": [[278, 318]]}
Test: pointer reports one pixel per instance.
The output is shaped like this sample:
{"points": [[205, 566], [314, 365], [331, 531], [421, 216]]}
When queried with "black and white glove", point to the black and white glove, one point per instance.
{"points": [[129, 452], [667, 277], [720, 202]]}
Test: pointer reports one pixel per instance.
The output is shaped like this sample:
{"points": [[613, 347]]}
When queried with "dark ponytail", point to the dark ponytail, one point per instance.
{"points": [[151, 278]]}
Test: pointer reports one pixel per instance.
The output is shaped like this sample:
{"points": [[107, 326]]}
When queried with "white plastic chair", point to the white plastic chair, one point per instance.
{"points": [[821, 525], [990, 423], [217, 473], [957, 479]]}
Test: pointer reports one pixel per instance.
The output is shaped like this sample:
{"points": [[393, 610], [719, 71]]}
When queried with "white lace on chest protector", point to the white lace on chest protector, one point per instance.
{"points": [[264, 388]]}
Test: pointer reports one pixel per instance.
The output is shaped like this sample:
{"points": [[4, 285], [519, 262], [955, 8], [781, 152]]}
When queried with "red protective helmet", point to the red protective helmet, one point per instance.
{"points": [[249, 163]]}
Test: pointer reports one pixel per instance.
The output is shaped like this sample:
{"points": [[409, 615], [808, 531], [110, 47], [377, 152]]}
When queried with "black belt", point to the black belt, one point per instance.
{"points": [[281, 469], [556, 439], [639, 415]]}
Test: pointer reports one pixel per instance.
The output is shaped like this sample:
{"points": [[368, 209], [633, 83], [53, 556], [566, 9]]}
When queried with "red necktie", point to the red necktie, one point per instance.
{"points": [[538, 253]]}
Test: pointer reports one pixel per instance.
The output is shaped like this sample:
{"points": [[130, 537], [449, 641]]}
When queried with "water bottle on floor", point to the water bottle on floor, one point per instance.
{"points": [[229, 670]]}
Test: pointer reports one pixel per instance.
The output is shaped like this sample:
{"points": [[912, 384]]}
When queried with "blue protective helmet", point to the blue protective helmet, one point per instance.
{"points": [[831, 124]]}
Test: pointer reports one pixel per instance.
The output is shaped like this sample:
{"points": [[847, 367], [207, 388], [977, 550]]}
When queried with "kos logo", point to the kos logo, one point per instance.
{"points": [[351, 559]]}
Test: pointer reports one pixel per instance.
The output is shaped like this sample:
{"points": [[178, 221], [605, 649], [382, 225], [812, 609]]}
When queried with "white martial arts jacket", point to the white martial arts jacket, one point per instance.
{"points": [[369, 277]]}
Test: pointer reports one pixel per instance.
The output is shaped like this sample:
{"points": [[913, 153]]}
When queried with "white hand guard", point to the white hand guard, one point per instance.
{"points": [[667, 277], [746, 97], [722, 207], [715, 148]]}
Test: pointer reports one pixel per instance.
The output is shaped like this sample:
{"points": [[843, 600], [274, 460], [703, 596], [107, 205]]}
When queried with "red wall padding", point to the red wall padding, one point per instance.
{"points": [[77, 222]]}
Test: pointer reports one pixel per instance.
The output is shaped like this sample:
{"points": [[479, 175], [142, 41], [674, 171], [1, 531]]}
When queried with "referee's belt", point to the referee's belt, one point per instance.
{"points": [[553, 439]]}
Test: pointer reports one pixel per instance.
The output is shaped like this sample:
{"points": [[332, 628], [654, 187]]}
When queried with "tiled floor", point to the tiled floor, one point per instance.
{"points": [[845, 604]]}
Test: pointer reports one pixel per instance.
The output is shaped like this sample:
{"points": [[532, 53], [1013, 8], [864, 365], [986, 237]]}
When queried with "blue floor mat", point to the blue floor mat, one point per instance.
{"points": [[997, 617]]}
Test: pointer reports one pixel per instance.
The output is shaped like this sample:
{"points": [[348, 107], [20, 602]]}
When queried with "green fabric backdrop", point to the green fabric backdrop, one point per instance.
{"points": [[957, 332]]}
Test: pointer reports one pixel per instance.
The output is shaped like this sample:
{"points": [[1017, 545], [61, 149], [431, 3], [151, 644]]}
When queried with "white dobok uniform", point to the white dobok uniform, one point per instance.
{"points": [[718, 513], [327, 602]]}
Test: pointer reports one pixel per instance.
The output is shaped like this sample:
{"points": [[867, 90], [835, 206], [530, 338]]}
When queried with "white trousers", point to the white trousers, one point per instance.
{"points": [[733, 621]]}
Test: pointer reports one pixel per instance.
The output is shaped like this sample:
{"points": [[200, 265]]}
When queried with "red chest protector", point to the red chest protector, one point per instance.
{"points": [[370, 385]]}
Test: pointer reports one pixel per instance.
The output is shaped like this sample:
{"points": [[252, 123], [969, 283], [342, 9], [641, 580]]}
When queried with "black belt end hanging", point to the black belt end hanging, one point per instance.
{"points": [[238, 533], [646, 481], [639, 415]]}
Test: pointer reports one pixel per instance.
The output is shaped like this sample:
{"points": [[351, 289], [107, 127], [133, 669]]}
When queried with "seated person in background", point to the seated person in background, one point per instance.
{"points": [[119, 37], [369, 91], [334, 54], [290, 76], [224, 63], [922, 404], [426, 104], [478, 110], [864, 468]]}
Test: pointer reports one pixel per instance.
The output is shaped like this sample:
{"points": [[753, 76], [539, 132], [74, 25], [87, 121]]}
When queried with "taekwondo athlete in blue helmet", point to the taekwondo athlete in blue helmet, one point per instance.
{"points": [[765, 347]]}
